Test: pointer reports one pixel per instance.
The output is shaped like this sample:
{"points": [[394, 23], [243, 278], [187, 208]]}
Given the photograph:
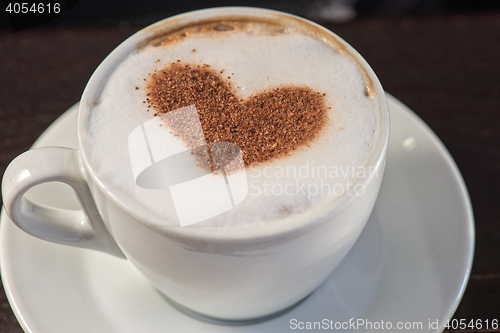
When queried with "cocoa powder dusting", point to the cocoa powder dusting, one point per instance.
{"points": [[265, 126]]}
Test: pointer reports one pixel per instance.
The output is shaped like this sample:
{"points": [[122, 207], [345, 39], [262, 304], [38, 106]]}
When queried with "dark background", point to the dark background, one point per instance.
{"points": [[441, 58], [141, 13]]}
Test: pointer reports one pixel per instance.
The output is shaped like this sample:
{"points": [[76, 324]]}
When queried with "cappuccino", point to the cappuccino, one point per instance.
{"points": [[298, 105]]}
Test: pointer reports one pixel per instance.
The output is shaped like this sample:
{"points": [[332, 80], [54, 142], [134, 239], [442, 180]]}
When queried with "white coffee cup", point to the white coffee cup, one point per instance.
{"points": [[237, 274]]}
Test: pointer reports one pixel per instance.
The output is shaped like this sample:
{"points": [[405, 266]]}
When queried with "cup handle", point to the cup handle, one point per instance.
{"points": [[81, 228]]}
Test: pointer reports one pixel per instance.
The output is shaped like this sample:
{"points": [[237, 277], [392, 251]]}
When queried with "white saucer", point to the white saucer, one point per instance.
{"points": [[411, 263]]}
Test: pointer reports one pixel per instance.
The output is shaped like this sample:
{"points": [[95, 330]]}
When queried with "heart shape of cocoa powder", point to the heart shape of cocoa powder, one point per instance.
{"points": [[267, 125]]}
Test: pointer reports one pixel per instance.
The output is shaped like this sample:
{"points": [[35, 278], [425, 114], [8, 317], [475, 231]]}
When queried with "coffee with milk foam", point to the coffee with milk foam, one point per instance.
{"points": [[249, 59]]}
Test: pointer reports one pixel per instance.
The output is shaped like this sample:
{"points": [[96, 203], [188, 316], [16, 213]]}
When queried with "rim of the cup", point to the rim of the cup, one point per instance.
{"points": [[269, 228]]}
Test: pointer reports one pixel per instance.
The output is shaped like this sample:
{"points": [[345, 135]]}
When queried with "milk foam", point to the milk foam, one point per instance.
{"points": [[255, 60]]}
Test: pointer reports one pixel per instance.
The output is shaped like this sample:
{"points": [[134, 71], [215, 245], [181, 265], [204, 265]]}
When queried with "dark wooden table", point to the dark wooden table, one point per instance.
{"points": [[445, 68]]}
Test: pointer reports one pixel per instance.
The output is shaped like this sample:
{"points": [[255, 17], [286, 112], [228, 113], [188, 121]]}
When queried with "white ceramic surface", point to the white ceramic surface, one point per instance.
{"points": [[410, 264]]}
